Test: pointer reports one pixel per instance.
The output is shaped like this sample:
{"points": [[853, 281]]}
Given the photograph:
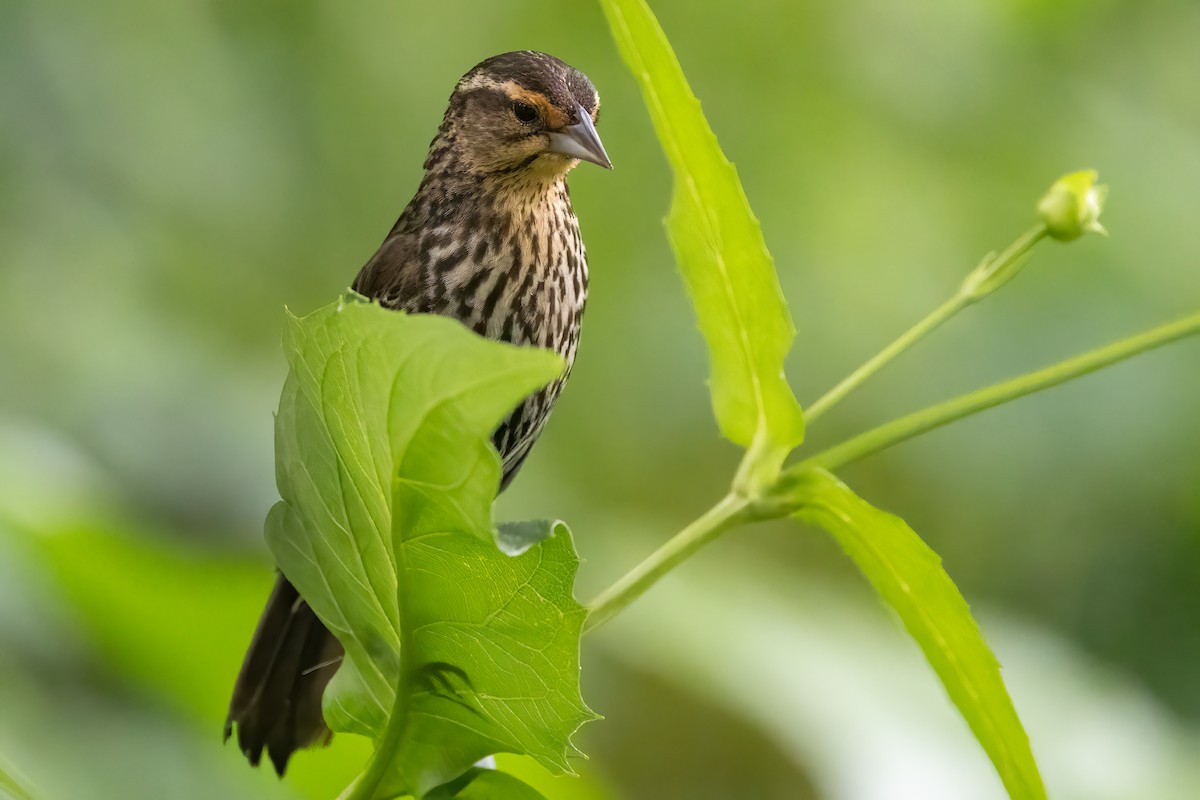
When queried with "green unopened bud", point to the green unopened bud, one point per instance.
{"points": [[1072, 206]]}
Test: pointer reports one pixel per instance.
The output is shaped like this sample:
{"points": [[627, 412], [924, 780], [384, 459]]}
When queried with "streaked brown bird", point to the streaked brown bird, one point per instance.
{"points": [[489, 239]]}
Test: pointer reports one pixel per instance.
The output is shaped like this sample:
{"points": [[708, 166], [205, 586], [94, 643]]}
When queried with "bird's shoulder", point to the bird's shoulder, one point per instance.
{"points": [[393, 274]]}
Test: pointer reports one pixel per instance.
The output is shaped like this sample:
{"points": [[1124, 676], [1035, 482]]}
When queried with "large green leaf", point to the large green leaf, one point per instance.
{"points": [[719, 246], [387, 477], [909, 577]]}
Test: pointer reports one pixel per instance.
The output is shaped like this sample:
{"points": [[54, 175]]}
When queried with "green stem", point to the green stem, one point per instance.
{"points": [[912, 425], [366, 786], [982, 281], [718, 519], [734, 509], [910, 337]]}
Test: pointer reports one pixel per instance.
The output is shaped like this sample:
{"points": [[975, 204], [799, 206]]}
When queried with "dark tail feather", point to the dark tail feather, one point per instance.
{"points": [[277, 698]]}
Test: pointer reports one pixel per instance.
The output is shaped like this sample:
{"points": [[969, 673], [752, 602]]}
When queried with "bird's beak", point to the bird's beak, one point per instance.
{"points": [[580, 141]]}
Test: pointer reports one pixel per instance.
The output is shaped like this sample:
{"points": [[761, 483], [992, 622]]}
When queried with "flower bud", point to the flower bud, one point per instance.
{"points": [[1072, 206]]}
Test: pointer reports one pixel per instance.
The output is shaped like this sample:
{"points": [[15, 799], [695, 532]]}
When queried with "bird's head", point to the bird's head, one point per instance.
{"points": [[522, 113]]}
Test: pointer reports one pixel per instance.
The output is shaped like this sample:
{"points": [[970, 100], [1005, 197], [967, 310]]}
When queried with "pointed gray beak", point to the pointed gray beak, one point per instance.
{"points": [[580, 141]]}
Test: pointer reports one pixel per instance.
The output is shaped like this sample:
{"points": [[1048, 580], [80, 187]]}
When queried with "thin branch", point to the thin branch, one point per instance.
{"points": [[936, 416], [718, 519], [994, 272]]}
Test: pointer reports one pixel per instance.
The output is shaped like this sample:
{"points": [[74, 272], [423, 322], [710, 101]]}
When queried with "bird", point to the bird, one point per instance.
{"points": [[489, 239]]}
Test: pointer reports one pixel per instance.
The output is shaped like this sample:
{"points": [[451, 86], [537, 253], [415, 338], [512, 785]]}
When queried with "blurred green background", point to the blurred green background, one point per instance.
{"points": [[173, 174]]}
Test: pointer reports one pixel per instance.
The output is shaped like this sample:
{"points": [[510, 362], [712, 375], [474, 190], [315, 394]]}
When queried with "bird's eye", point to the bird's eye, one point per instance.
{"points": [[524, 112]]}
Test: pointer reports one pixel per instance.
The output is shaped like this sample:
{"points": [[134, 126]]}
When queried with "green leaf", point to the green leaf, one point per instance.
{"points": [[387, 477], [486, 784], [719, 247], [909, 577], [516, 639]]}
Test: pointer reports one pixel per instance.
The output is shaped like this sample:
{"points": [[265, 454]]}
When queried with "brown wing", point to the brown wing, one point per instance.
{"points": [[393, 275]]}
